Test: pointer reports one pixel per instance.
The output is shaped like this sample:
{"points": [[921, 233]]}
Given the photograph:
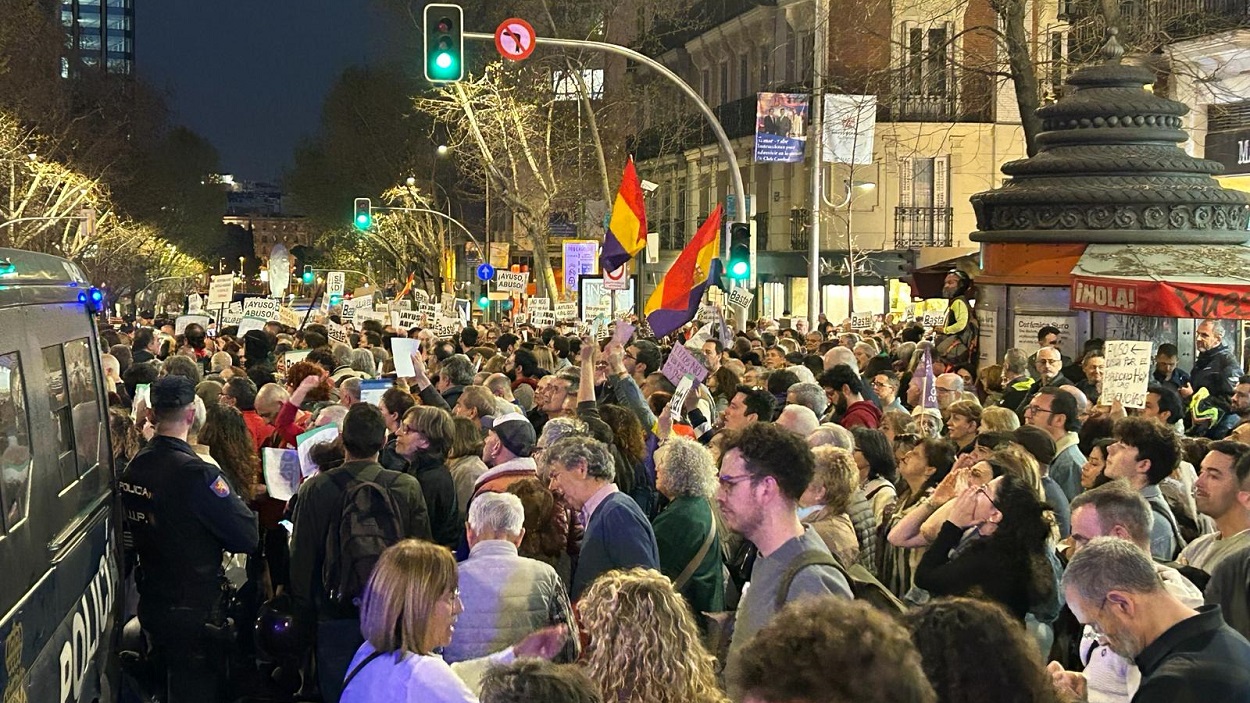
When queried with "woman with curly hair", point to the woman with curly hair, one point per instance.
{"points": [[630, 441], [686, 530], [993, 546], [644, 646], [973, 651]]}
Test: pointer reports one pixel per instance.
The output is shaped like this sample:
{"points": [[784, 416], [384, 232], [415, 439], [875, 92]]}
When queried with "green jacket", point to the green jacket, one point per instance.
{"points": [[679, 532]]}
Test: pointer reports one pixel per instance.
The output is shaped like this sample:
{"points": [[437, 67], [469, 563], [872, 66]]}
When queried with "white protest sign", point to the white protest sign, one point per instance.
{"points": [[336, 283], [400, 305], [305, 443], [180, 324], [408, 319], [420, 296], [288, 317], [543, 318], [336, 332], [537, 304], [463, 309], [741, 298], [232, 315], [511, 282], [445, 327], [861, 320], [282, 472], [566, 311], [1127, 373], [288, 359], [220, 290], [194, 304], [681, 362], [430, 310], [247, 324], [261, 308], [679, 396], [403, 349], [362, 315], [934, 319], [707, 313]]}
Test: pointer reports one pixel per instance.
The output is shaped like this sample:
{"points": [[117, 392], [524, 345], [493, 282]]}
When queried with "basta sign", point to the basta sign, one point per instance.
{"points": [[1131, 296]]}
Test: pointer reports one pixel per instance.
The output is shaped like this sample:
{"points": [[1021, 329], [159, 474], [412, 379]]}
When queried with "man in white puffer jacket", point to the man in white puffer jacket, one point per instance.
{"points": [[1114, 510], [506, 596]]}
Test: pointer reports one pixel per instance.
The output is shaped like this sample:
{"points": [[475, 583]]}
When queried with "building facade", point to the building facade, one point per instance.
{"points": [[99, 36], [945, 125]]}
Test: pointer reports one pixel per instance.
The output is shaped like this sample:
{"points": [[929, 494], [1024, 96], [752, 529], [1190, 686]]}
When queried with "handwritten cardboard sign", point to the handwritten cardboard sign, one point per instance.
{"points": [[681, 362], [288, 317], [1127, 373], [536, 304]]}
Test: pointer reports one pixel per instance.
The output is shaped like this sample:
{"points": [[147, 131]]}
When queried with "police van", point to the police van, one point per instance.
{"points": [[60, 545]]}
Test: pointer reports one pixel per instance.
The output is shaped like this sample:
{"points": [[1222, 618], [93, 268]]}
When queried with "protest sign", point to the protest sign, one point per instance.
{"points": [[265, 309], [861, 320], [463, 308], [288, 317], [220, 290], [679, 396], [536, 304], [282, 472], [180, 324], [445, 327], [566, 311], [430, 310], [624, 332], [1127, 373], [304, 445], [407, 319], [707, 313], [247, 324], [288, 359], [362, 315], [741, 298], [934, 319], [543, 318], [681, 362], [336, 332], [232, 315], [420, 296], [511, 282], [402, 350]]}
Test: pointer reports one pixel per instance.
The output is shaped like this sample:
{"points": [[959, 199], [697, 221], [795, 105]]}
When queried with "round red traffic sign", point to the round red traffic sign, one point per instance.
{"points": [[515, 39]]}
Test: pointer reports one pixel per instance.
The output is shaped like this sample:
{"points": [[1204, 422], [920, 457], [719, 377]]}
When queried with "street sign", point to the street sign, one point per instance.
{"points": [[618, 279], [514, 39], [336, 283], [485, 272]]}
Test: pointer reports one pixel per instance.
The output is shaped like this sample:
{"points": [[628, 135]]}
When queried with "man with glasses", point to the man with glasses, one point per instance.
{"points": [[1184, 654], [1054, 411], [764, 470], [885, 385], [950, 388]]}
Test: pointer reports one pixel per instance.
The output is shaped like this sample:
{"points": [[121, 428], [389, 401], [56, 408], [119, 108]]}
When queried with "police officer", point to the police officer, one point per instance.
{"points": [[181, 513]]}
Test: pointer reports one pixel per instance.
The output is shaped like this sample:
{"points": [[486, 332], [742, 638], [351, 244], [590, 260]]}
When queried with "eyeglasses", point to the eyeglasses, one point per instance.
{"points": [[985, 490], [1029, 410], [879, 384], [1094, 628], [405, 429], [728, 482]]}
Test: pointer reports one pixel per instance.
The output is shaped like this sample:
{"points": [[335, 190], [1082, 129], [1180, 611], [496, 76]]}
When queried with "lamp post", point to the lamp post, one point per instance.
{"points": [[852, 189]]}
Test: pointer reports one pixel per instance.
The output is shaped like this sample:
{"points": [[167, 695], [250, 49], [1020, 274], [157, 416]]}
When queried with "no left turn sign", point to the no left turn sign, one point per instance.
{"points": [[514, 39]]}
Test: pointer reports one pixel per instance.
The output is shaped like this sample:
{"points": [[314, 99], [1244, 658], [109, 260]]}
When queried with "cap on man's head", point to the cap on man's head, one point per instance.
{"points": [[514, 431], [171, 392], [1037, 442]]}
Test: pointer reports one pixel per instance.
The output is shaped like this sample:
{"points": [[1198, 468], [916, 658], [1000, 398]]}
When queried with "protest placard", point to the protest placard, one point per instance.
{"points": [[1127, 373], [288, 359], [566, 311], [336, 332], [232, 315], [220, 290], [707, 313], [934, 319], [402, 350], [180, 324], [282, 472], [861, 320], [420, 296], [741, 298], [536, 304], [681, 362], [261, 308], [247, 324], [511, 282], [430, 310], [362, 315], [407, 319], [446, 327], [305, 442], [543, 318], [624, 332], [679, 396], [289, 318]]}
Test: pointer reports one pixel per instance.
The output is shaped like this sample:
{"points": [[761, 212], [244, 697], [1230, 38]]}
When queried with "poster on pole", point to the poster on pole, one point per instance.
{"points": [[781, 127], [220, 290], [511, 282], [850, 123], [1127, 373], [581, 257]]}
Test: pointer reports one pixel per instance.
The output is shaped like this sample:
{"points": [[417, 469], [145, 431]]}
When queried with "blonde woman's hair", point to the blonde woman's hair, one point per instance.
{"points": [[544, 358], [837, 474], [408, 580], [644, 646], [998, 419]]}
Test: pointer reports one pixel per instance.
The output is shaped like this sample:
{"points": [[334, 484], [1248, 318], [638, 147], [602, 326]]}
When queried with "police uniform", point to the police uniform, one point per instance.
{"points": [[180, 514]]}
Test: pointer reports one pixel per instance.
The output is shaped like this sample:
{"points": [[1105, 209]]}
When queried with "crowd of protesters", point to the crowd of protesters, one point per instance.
{"points": [[829, 515]]}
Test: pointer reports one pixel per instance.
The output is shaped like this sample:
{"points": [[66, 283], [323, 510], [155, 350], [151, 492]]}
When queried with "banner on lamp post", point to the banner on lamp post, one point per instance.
{"points": [[781, 127], [850, 125]]}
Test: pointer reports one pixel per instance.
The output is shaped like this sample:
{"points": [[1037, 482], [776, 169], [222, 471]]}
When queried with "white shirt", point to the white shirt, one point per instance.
{"points": [[418, 678]]}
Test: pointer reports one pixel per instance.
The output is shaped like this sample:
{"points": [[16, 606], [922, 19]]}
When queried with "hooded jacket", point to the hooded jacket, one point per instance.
{"points": [[862, 413]]}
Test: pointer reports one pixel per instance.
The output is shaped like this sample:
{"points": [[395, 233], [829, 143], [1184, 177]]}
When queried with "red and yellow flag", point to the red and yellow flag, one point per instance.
{"points": [[676, 300], [627, 229]]}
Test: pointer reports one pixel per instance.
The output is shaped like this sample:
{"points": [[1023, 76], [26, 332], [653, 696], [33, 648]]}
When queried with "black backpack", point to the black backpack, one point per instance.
{"points": [[864, 586], [368, 522]]}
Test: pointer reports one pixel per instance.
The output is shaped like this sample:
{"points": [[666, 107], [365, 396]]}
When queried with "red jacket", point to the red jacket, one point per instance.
{"points": [[864, 413]]}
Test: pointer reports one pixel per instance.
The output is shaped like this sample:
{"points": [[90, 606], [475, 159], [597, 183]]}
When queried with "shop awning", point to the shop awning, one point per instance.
{"points": [[1164, 280]]}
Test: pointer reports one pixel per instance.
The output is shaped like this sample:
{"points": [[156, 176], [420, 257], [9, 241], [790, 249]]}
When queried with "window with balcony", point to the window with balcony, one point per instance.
{"points": [[744, 76], [926, 89], [724, 83], [923, 216]]}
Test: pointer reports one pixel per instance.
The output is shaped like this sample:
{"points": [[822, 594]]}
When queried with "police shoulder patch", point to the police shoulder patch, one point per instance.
{"points": [[220, 487]]}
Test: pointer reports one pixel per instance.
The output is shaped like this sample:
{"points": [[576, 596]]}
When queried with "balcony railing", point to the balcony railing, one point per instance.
{"points": [[799, 230], [926, 108], [916, 227], [1150, 22]]}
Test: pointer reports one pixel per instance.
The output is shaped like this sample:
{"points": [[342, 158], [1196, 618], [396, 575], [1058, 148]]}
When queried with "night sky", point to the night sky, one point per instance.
{"points": [[250, 75]]}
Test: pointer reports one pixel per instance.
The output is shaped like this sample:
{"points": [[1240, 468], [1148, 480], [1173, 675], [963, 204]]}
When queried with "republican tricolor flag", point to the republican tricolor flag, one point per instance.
{"points": [[627, 230], [676, 300]]}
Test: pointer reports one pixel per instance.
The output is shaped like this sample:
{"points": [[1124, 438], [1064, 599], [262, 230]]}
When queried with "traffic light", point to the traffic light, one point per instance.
{"points": [[740, 251], [364, 214], [308, 276], [444, 42], [335, 299]]}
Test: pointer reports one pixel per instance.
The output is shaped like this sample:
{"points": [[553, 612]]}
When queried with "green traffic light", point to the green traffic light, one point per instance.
{"points": [[443, 60], [483, 302], [739, 269], [362, 221]]}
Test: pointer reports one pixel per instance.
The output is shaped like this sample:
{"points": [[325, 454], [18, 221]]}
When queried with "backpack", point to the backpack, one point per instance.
{"points": [[864, 586], [1177, 538], [368, 522]]}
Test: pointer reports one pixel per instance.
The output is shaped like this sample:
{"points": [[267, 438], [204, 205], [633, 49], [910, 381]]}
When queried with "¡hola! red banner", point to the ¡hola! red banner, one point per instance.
{"points": [[1134, 296]]}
